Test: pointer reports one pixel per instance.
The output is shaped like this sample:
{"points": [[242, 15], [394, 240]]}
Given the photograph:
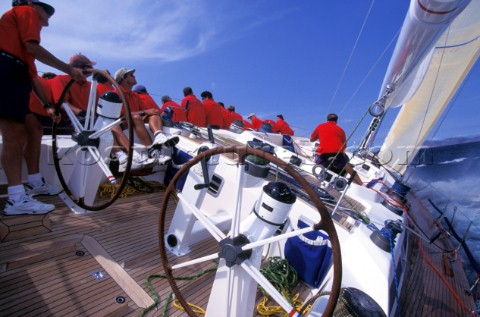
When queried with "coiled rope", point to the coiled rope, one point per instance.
{"points": [[277, 271], [133, 186], [190, 279], [284, 278]]}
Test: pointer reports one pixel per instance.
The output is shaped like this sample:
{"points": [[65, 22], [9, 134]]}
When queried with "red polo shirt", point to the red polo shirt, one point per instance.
{"points": [[195, 111], [226, 118], [17, 26], [256, 123], [103, 88], [234, 116], [134, 101], [77, 95], [282, 127], [179, 114], [214, 112], [332, 138], [35, 105], [147, 101]]}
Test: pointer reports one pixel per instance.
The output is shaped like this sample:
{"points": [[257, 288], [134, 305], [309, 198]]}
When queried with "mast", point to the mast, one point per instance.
{"points": [[425, 22]]}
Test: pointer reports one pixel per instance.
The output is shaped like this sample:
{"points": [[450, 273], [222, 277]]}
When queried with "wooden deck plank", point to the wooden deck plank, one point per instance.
{"points": [[138, 295], [427, 294], [127, 231]]}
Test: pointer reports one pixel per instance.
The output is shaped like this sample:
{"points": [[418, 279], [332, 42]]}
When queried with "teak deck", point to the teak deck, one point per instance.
{"points": [[96, 264]]}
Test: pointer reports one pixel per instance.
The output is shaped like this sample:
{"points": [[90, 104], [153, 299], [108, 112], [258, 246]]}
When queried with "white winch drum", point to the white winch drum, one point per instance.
{"points": [[109, 105]]}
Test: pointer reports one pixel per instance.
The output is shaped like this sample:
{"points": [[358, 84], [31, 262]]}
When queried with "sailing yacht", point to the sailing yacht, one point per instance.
{"points": [[241, 225]]}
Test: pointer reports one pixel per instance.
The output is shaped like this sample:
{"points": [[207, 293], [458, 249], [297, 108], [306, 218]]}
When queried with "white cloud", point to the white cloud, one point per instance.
{"points": [[132, 29], [161, 30]]}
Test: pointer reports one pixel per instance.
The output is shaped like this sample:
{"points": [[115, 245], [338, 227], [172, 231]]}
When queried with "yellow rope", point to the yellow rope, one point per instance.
{"points": [[196, 309], [106, 189], [278, 311]]}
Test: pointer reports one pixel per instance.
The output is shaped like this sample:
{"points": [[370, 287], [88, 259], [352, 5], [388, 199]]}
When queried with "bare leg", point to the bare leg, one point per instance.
{"points": [[34, 143], [120, 139], [155, 123], [141, 131], [14, 137], [350, 170]]}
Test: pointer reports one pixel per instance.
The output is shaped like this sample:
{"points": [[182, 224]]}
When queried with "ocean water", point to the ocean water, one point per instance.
{"points": [[447, 172]]}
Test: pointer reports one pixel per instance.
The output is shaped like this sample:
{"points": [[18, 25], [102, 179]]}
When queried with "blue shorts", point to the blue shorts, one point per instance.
{"points": [[15, 88]]}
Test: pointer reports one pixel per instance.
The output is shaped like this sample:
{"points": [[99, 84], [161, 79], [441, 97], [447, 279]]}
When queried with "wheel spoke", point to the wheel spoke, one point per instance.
{"points": [[69, 151], [235, 226], [214, 231], [90, 112], [268, 287], [83, 174], [105, 129], [196, 261], [98, 159], [76, 124], [277, 238]]}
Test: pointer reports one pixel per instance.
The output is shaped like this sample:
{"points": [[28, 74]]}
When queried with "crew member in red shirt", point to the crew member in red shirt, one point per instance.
{"points": [[35, 104], [79, 93], [194, 108], [20, 29], [148, 101], [234, 115], [256, 122], [142, 114], [179, 114], [225, 115], [281, 126], [212, 109], [331, 150]]}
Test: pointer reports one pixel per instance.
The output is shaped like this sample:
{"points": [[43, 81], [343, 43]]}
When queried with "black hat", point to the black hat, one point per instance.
{"points": [[48, 8]]}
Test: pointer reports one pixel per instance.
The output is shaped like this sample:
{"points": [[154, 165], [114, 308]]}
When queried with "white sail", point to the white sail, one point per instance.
{"points": [[454, 55], [424, 24]]}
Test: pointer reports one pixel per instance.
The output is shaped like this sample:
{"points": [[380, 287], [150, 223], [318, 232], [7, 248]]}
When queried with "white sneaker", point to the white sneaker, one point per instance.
{"points": [[144, 159], [159, 156], [139, 161], [43, 189], [161, 140], [27, 206]]}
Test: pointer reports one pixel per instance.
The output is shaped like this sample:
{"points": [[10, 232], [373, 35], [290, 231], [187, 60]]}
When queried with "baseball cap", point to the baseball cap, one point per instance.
{"points": [[48, 8], [80, 60], [250, 115], [119, 74]]}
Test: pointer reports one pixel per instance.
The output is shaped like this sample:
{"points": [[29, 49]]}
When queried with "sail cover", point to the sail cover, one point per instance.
{"points": [[454, 55]]}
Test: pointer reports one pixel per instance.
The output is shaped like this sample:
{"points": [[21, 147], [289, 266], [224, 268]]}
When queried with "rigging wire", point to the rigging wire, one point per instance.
{"points": [[351, 55], [370, 71]]}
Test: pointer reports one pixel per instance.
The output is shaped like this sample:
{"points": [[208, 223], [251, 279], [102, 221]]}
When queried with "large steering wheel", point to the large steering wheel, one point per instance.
{"points": [[82, 158], [194, 265]]}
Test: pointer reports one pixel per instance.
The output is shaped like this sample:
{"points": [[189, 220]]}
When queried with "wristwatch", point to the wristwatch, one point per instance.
{"points": [[142, 113], [47, 105]]}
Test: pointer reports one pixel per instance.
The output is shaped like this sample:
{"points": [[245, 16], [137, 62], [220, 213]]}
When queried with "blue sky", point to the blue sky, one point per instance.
{"points": [[296, 58]]}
